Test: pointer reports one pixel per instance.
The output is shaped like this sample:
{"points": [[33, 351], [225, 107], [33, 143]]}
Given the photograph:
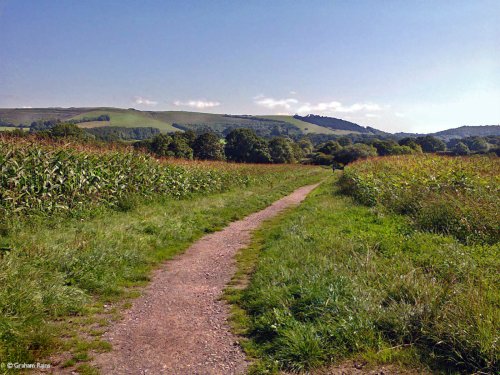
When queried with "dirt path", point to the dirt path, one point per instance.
{"points": [[179, 324]]}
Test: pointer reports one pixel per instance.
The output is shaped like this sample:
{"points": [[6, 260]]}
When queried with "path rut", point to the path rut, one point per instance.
{"points": [[180, 324]]}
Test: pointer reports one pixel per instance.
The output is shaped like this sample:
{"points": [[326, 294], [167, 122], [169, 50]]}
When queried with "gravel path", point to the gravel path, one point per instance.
{"points": [[179, 325]]}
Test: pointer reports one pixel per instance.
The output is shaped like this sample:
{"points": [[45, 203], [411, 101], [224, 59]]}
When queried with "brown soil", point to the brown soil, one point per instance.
{"points": [[180, 324]]}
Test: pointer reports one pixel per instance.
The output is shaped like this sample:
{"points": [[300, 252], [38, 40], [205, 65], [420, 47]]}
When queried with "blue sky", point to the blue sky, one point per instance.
{"points": [[396, 65]]}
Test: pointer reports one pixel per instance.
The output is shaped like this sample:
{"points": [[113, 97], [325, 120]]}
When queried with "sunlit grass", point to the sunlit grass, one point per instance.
{"points": [[335, 280], [452, 195]]}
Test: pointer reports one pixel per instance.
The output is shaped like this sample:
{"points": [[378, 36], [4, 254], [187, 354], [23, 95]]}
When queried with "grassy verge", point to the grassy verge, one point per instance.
{"points": [[334, 280], [63, 279]]}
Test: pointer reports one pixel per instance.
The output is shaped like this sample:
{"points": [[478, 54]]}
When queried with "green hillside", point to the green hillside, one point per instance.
{"points": [[26, 116], [306, 127], [169, 121], [125, 117]]}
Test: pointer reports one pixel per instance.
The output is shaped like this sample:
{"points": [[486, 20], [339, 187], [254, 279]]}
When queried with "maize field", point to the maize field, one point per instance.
{"points": [[46, 177]]}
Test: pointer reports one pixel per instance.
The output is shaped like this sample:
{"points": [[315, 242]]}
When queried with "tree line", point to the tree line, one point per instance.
{"points": [[243, 145]]}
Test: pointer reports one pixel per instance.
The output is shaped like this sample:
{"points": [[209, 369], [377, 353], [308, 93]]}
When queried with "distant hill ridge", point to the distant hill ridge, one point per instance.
{"points": [[333, 123], [264, 125], [469, 130]]}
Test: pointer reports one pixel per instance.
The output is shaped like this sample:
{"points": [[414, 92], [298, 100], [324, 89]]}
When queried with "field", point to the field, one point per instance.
{"points": [[47, 177], [457, 196], [127, 118], [392, 261], [83, 227], [334, 281]]}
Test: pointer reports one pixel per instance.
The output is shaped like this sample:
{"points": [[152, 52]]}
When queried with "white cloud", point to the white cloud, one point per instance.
{"points": [[372, 115], [143, 101], [399, 114], [332, 107], [293, 92], [337, 107], [199, 104], [272, 103]]}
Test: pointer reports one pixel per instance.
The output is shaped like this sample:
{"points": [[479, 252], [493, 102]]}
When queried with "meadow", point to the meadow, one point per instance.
{"points": [[83, 226], [451, 195], [336, 280]]}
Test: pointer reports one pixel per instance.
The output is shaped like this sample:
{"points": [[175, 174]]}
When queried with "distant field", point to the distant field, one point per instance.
{"points": [[126, 118], [9, 128]]}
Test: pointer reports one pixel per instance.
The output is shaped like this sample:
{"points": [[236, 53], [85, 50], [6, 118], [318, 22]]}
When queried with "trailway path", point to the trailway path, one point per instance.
{"points": [[180, 324]]}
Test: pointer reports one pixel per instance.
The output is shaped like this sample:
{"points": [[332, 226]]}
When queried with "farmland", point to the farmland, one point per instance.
{"points": [[72, 213], [378, 267], [393, 260]]}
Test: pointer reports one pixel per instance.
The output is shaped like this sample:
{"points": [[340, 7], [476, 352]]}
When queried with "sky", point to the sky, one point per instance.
{"points": [[418, 66]]}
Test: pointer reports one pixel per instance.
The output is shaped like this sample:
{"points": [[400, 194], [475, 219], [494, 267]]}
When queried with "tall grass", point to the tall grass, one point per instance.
{"points": [[452, 195], [336, 280], [60, 267]]}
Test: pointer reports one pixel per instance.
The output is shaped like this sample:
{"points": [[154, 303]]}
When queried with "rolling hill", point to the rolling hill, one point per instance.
{"points": [[168, 121], [267, 126]]}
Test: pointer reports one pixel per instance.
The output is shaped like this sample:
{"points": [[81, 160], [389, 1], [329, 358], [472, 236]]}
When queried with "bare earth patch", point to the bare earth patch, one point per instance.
{"points": [[180, 324]]}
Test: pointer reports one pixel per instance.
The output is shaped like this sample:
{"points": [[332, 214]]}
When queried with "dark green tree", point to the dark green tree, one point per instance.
{"points": [[298, 152], [345, 141], [431, 144], [208, 146], [178, 148], [66, 130], [306, 145], [281, 150], [329, 148], [476, 144], [352, 153], [260, 152], [190, 137], [243, 145], [159, 144], [461, 149]]}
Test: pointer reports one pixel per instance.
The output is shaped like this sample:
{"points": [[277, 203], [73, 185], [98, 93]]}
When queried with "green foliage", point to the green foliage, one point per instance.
{"points": [[335, 280], [390, 147], [66, 130], [461, 149], [476, 144], [306, 145], [431, 144], [162, 145], [208, 146], [115, 133], [352, 153], [243, 145], [458, 196], [329, 148], [281, 150]]}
